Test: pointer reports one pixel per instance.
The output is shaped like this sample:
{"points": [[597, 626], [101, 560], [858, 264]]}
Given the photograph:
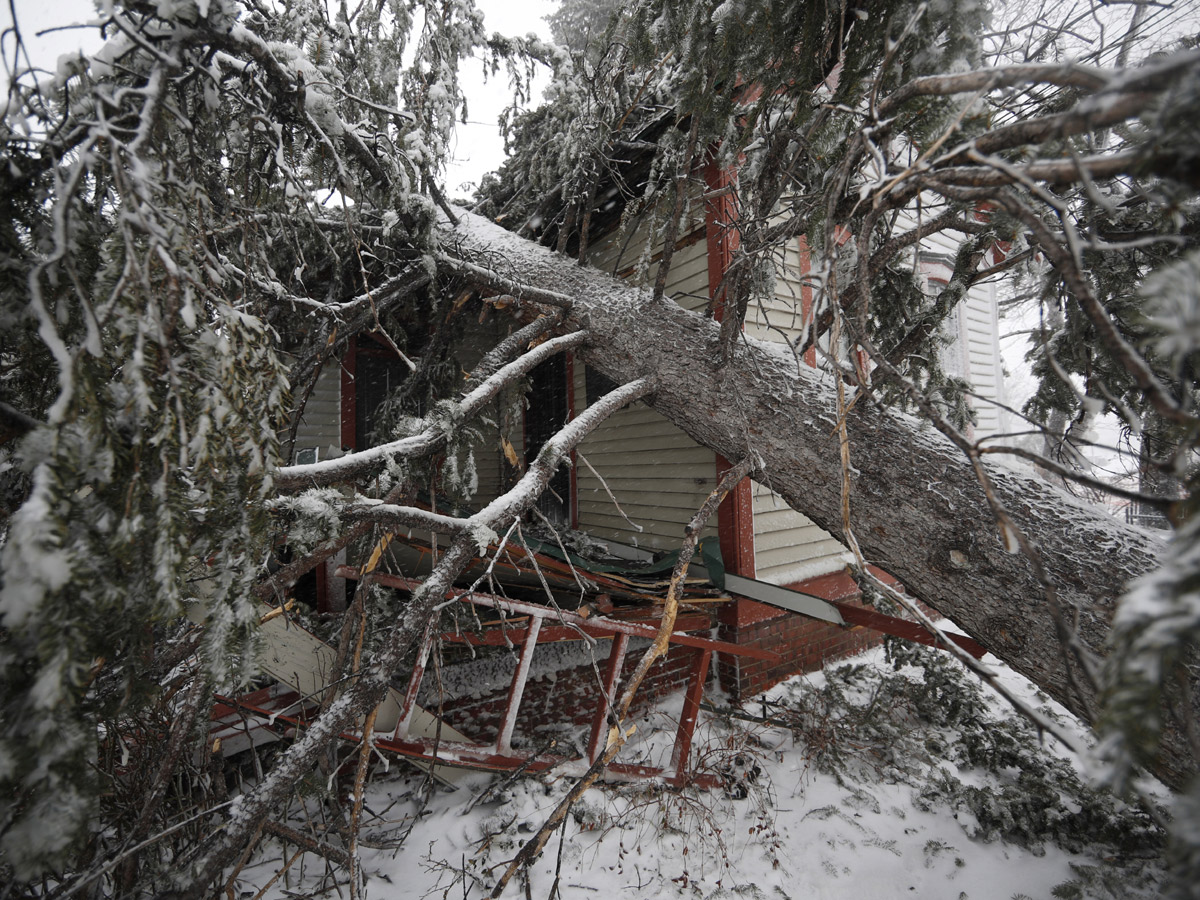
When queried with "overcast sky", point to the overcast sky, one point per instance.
{"points": [[479, 148]]}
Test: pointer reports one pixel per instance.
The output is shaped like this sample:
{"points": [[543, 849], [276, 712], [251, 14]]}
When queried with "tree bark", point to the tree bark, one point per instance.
{"points": [[917, 508]]}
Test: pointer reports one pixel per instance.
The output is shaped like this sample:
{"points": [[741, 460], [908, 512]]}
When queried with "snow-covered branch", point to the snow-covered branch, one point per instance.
{"points": [[434, 435], [394, 516]]}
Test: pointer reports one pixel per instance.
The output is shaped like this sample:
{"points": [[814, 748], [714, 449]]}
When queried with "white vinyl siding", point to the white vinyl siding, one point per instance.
{"points": [[975, 353], [687, 284], [658, 474], [780, 314], [986, 368], [321, 425], [788, 547]]}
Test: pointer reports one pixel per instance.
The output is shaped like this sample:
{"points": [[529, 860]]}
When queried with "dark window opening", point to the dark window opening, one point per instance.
{"points": [[546, 414], [598, 384], [377, 372]]}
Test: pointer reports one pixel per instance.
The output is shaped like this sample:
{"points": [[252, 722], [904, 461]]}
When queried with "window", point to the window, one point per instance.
{"points": [[548, 411], [377, 372]]}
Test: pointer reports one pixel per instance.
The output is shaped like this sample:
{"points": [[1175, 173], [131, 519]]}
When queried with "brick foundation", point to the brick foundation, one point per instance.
{"points": [[804, 644]]}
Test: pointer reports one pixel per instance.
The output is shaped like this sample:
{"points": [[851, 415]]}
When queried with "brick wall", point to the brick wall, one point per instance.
{"points": [[804, 644]]}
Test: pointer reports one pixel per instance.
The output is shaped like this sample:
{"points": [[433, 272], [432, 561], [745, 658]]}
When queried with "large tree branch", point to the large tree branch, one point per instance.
{"points": [[491, 363], [1068, 75], [1121, 97]]}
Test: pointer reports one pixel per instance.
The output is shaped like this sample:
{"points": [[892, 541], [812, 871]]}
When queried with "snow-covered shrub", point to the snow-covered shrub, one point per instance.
{"points": [[929, 724]]}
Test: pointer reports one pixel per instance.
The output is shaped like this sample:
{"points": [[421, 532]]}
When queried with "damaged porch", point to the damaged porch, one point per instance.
{"points": [[514, 679]]}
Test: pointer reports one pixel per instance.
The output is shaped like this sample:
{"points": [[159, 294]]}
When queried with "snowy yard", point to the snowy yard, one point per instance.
{"points": [[889, 782]]}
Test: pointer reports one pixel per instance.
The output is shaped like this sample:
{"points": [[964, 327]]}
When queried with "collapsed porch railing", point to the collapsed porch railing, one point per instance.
{"points": [[546, 624], [303, 664]]}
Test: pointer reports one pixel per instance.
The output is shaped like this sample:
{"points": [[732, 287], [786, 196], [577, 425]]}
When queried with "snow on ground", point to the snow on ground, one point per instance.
{"points": [[827, 811]]}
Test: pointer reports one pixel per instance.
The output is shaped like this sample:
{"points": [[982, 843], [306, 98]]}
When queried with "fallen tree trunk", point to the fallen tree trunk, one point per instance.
{"points": [[917, 508]]}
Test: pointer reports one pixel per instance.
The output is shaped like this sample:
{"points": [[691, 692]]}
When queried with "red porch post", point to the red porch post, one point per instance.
{"points": [[735, 516]]}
